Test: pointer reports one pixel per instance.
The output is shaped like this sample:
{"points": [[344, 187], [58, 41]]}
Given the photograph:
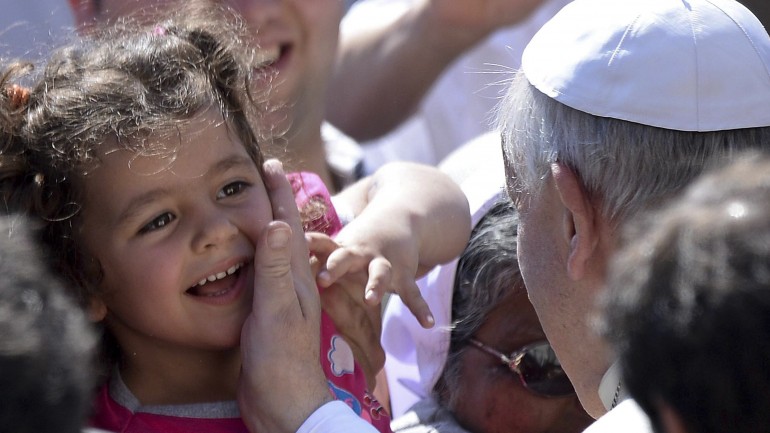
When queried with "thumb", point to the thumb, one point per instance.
{"points": [[273, 278], [281, 382], [274, 253]]}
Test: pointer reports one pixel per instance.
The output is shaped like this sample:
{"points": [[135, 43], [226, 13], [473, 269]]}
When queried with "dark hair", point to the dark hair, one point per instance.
{"points": [[487, 272], [46, 346], [688, 306], [128, 85]]}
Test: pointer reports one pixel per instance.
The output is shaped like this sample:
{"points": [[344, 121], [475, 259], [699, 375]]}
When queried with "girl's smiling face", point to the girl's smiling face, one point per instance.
{"points": [[175, 239]]}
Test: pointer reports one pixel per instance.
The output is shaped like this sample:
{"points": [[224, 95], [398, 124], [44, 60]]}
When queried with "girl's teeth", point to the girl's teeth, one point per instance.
{"points": [[220, 275], [267, 56]]}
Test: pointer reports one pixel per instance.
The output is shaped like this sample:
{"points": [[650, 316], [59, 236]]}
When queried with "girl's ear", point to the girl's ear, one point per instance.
{"points": [[96, 310]]}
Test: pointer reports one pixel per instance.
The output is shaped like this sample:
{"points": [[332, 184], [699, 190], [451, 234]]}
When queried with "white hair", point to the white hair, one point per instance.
{"points": [[627, 166]]}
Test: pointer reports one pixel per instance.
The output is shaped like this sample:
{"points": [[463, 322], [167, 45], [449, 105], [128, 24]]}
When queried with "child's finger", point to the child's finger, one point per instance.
{"points": [[411, 297], [320, 244], [380, 271], [340, 262]]}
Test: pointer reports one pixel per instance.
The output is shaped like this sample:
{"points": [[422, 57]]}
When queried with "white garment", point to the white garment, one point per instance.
{"points": [[482, 153], [626, 417], [29, 29], [611, 389], [335, 417], [460, 105], [427, 416]]}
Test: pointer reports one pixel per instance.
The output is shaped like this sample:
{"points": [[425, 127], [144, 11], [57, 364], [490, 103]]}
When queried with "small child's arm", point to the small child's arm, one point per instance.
{"points": [[408, 219]]}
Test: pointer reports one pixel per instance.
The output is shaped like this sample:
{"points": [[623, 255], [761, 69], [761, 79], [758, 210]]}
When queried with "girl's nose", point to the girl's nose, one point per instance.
{"points": [[214, 232]]}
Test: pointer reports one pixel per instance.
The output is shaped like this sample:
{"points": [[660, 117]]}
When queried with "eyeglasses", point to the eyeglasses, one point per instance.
{"points": [[537, 367]]}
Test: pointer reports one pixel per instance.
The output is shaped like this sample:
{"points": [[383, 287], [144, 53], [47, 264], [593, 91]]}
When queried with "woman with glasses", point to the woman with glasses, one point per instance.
{"points": [[486, 366]]}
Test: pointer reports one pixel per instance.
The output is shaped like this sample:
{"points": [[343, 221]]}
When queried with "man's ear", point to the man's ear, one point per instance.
{"points": [[84, 12], [579, 226], [96, 309]]}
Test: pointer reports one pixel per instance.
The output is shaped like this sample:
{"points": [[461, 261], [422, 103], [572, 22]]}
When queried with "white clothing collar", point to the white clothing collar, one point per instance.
{"points": [[611, 389]]}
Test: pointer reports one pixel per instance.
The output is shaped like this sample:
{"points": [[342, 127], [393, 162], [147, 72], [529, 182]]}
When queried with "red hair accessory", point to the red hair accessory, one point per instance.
{"points": [[18, 96]]}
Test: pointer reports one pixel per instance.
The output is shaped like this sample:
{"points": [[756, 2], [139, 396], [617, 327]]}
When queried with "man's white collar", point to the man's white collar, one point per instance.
{"points": [[611, 389]]}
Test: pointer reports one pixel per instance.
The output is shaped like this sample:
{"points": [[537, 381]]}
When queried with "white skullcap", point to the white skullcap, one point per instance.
{"points": [[414, 356], [690, 65]]}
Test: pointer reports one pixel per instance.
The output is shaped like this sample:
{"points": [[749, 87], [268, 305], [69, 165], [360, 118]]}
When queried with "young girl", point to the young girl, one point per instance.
{"points": [[137, 154]]}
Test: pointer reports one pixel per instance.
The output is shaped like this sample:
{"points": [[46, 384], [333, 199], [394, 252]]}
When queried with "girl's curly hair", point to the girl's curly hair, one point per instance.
{"points": [[136, 79]]}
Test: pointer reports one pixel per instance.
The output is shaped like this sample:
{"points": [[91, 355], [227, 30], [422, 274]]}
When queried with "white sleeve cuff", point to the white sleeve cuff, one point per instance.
{"points": [[344, 211], [335, 417]]}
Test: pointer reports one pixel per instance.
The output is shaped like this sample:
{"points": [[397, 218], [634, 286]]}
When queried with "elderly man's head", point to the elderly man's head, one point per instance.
{"points": [[620, 105]]}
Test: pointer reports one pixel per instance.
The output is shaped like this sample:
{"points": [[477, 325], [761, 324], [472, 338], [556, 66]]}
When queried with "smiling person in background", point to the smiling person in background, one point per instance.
{"points": [[297, 43]]}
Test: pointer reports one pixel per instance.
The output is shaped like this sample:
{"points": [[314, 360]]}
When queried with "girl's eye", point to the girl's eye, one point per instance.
{"points": [[157, 223], [232, 188]]}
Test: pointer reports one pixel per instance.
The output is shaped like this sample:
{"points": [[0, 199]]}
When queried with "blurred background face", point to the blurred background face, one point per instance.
{"points": [[297, 40], [490, 398]]}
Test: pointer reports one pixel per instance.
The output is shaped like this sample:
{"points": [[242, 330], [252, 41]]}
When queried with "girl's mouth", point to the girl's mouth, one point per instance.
{"points": [[268, 59], [217, 284]]}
